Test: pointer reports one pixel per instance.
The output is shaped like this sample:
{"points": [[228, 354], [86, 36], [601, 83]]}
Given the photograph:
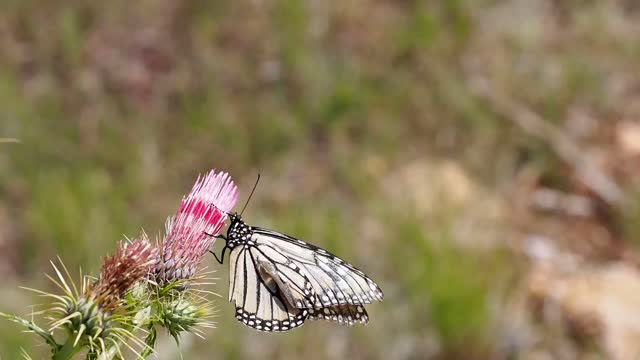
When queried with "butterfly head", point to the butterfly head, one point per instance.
{"points": [[238, 232], [234, 218]]}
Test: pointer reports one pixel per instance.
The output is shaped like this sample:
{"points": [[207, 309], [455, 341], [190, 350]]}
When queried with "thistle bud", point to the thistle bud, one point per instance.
{"points": [[87, 320], [183, 315], [92, 316]]}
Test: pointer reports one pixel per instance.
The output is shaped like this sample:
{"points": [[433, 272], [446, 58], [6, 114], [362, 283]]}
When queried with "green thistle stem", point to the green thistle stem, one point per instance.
{"points": [[67, 350], [150, 341]]}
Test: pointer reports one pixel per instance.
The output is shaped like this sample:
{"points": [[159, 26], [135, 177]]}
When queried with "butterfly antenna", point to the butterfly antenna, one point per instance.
{"points": [[221, 210], [250, 195]]}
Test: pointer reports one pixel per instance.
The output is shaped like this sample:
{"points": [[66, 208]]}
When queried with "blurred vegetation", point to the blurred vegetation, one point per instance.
{"points": [[377, 126]]}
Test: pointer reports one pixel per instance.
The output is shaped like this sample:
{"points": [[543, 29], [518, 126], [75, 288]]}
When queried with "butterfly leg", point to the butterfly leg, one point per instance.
{"points": [[219, 236], [221, 256]]}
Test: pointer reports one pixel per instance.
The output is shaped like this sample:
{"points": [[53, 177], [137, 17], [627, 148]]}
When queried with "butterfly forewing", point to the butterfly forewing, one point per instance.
{"points": [[334, 281], [287, 276]]}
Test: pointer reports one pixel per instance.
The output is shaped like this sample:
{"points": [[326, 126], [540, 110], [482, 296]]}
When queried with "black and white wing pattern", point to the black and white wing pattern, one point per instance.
{"points": [[334, 281], [258, 299], [278, 282], [342, 314]]}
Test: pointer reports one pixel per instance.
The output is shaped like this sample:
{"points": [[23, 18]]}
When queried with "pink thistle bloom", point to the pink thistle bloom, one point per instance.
{"points": [[204, 210]]}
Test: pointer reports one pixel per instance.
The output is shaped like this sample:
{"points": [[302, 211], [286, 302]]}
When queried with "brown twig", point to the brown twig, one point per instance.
{"points": [[533, 124]]}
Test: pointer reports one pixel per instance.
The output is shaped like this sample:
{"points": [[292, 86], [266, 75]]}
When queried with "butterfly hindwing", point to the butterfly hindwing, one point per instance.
{"points": [[342, 314], [259, 301]]}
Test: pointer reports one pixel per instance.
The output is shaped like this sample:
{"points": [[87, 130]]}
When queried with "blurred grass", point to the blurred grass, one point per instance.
{"points": [[449, 284], [118, 106]]}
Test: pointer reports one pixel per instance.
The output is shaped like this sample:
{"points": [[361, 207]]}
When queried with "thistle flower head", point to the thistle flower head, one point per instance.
{"points": [[131, 262], [202, 212], [97, 316]]}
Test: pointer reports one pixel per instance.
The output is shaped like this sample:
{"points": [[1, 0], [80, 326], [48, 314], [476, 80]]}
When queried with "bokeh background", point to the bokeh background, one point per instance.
{"points": [[478, 158]]}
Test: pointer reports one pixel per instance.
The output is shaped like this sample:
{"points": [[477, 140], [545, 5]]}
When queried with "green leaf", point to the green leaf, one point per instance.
{"points": [[48, 337]]}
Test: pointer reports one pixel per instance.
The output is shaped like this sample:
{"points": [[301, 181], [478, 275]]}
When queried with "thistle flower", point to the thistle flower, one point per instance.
{"points": [[130, 264], [97, 315], [202, 211], [103, 315], [97, 318]]}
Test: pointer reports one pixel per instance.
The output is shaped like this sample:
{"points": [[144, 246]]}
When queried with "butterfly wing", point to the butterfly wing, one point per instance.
{"points": [[333, 281], [342, 314], [290, 278], [258, 299]]}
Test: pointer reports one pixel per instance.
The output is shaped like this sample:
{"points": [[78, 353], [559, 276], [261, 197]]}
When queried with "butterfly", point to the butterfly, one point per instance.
{"points": [[277, 282]]}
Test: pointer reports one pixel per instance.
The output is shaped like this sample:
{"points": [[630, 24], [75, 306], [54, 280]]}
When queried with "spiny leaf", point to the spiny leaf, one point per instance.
{"points": [[33, 327]]}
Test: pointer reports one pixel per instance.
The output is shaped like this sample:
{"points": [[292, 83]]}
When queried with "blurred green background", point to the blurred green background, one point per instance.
{"points": [[406, 136]]}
